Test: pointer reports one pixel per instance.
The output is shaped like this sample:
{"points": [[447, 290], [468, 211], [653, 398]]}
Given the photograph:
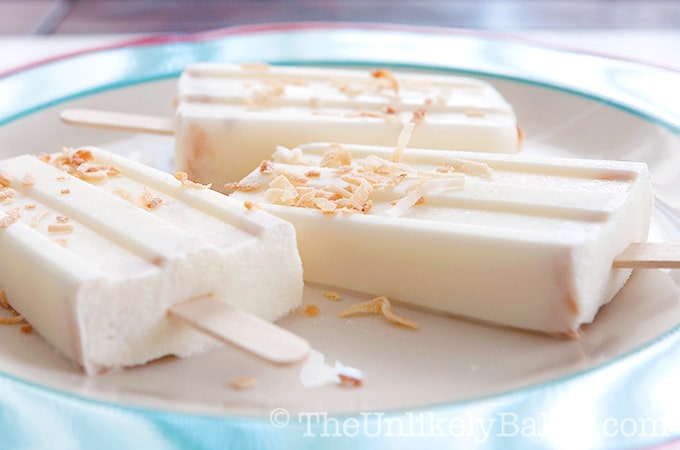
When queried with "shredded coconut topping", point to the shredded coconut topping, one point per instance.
{"points": [[378, 305], [384, 75], [243, 383], [10, 217], [5, 180], [184, 179], [81, 164]]}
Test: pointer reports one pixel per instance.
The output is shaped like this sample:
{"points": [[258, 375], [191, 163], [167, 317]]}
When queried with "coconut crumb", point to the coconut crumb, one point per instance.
{"points": [[243, 383], [336, 156], [7, 193], [5, 180], [266, 167], [44, 157], [351, 90], [388, 78], [150, 201], [311, 311], [183, 178], [59, 228], [379, 305], [4, 303], [13, 320], [349, 377], [27, 329], [403, 140], [250, 205], [334, 296], [65, 191], [313, 174], [419, 116], [28, 180], [62, 242], [62, 219], [35, 221], [469, 167], [274, 90], [30, 206], [10, 217]]}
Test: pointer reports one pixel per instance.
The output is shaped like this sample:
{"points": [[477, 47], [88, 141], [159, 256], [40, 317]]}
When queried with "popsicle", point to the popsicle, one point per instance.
{"points": [[231, 116], [108, 259], [520, 241]]}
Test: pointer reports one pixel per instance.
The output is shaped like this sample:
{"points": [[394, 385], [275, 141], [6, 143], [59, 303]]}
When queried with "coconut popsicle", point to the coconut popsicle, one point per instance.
{"points": [[97, 248], [230, 117], [521, 241]]}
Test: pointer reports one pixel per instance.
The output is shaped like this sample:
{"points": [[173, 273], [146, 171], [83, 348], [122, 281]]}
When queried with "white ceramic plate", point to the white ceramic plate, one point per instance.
{"points": [[451, 382]]}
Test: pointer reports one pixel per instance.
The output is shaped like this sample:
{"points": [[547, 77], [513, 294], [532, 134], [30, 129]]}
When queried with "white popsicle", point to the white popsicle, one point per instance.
{"points": [[96, 249], [520, 241], [231, 117]]}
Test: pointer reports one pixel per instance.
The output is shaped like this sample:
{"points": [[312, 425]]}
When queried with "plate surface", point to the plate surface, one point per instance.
{"points": [[450, 381]]}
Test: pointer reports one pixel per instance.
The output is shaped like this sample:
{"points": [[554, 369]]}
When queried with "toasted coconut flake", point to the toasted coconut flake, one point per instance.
{"points": [[30, 206], [5, 180], [281, 191], [403, 140], [419, 116], [65, 191], [59, 228], [247, 186], [311, 311], [184, 179], [360, 195], [388, 77], [6, 193], [61, 178], [122, 193], [348, 376], [295, 179], [351, 90], [336, 156], [370, 114], [62, 219], [275, 90], [469, 167], [378, 305], [28, 180], [287, 156], [35, 221], [27, 329], [266, 166], [243, 383], [150, 201], [391, 110], [324, 205], [10, 217], [11, 320], [250, 205], [313, 174], [334, 296], [4, 303], [44, 157]]}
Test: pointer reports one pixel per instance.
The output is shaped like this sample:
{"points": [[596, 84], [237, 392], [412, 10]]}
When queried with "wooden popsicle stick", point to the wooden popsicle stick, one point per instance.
{"points": [[247, 331], [118, 121], [650, 255]]}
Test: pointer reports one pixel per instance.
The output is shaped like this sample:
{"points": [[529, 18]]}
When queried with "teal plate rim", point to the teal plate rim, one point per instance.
{"points": [[623, 408]]}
